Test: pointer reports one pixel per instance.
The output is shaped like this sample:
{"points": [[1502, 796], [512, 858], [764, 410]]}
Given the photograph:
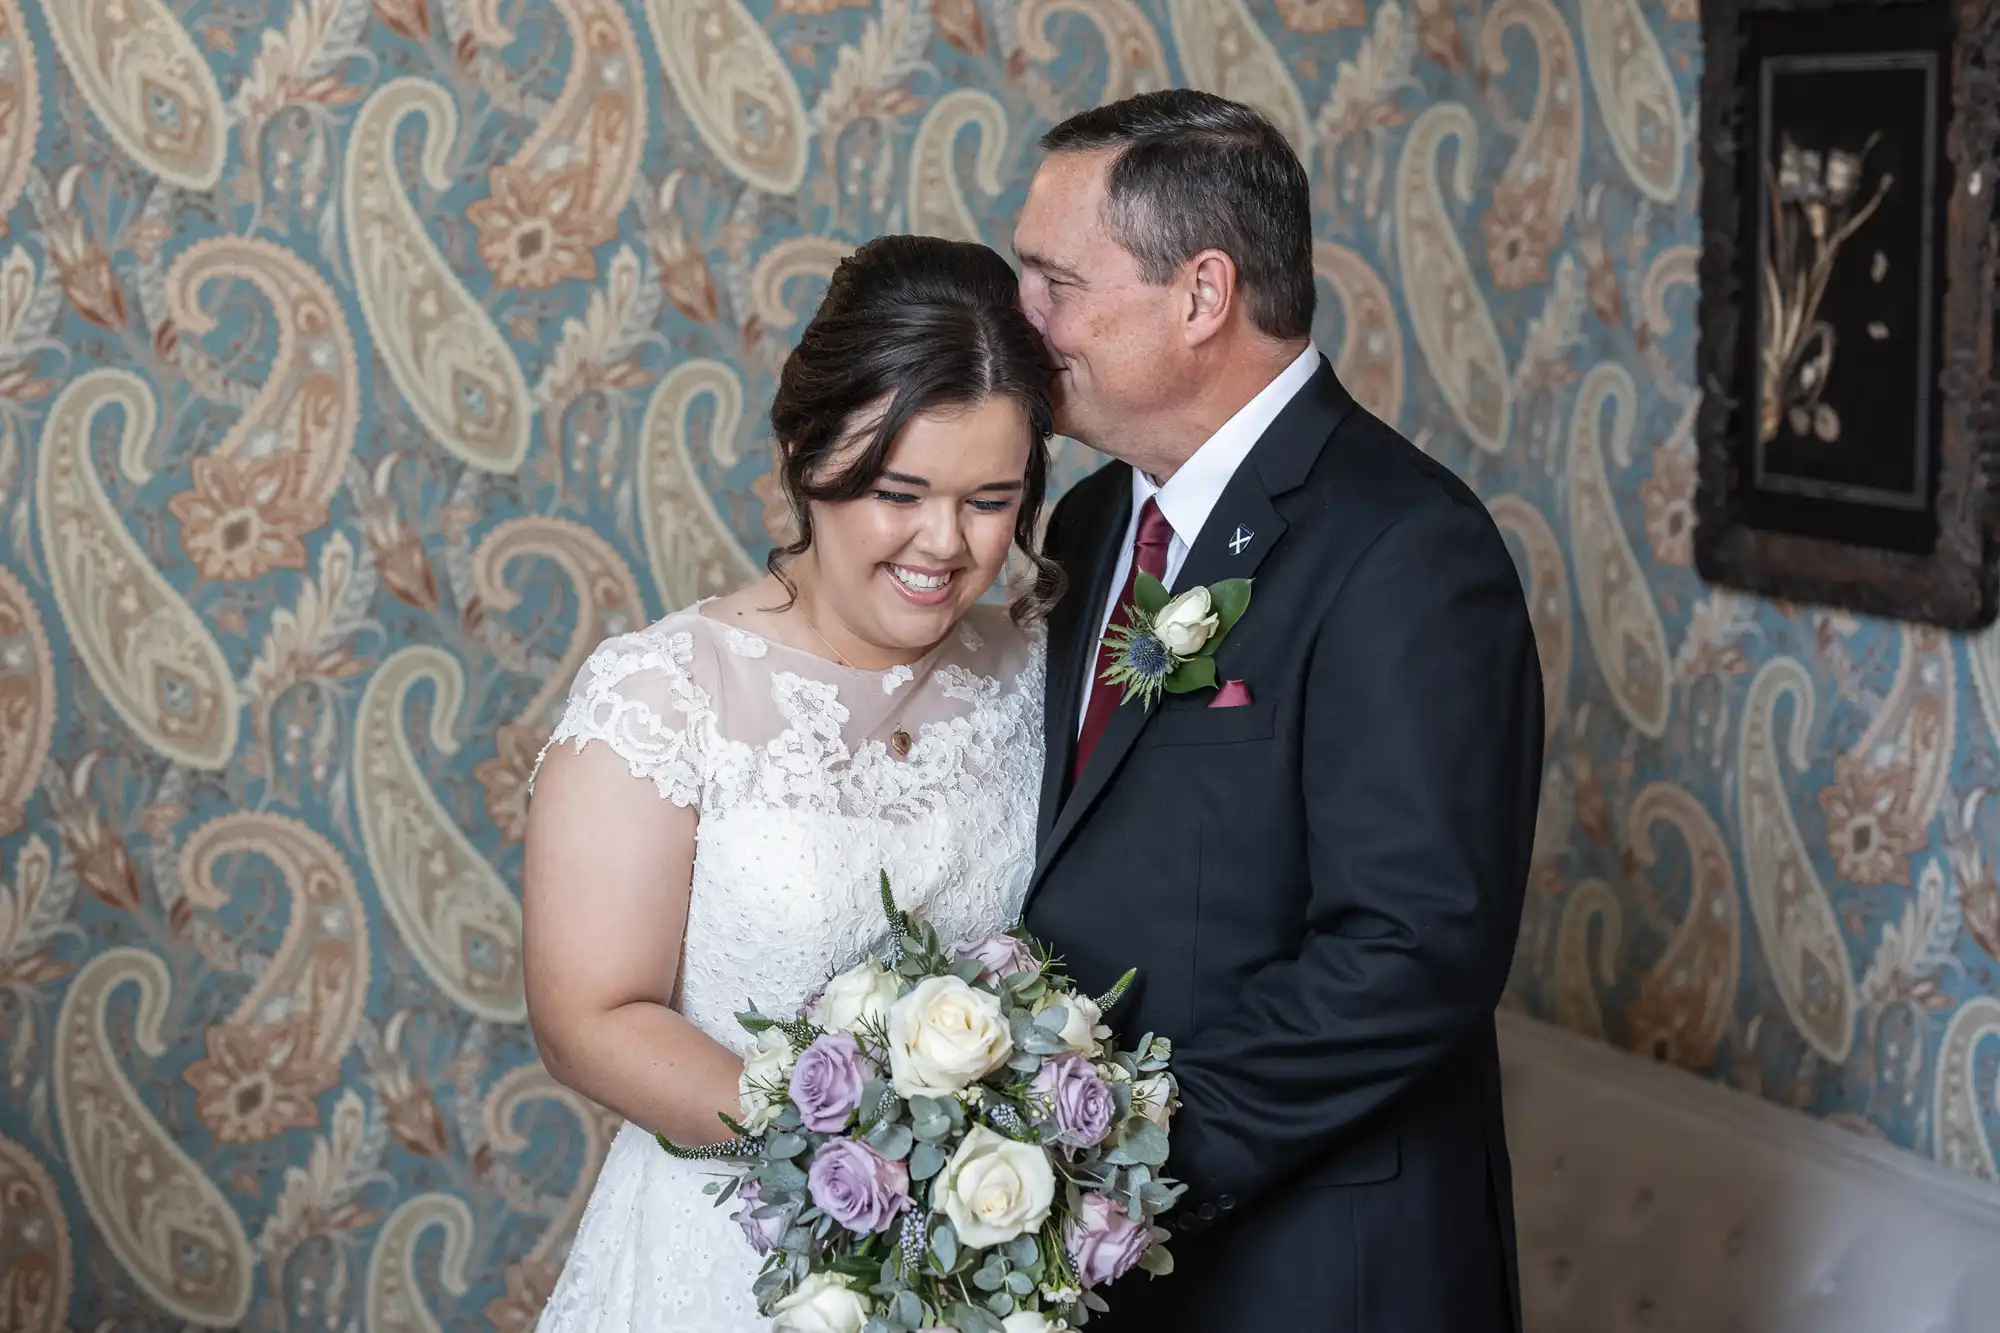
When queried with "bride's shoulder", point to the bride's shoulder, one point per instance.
{"points": [[677, 651]]}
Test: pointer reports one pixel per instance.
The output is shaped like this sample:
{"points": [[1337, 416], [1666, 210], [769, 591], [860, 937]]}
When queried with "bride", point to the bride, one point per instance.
{"points": [[711, 816]]}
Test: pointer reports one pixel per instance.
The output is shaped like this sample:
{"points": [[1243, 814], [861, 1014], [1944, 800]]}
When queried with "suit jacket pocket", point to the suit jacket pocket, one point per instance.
{"points": [[1370, 1157], [1212, 726]]}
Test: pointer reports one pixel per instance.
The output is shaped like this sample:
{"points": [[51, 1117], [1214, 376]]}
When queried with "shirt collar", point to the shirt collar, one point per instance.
{"points": [[1192, 492]]}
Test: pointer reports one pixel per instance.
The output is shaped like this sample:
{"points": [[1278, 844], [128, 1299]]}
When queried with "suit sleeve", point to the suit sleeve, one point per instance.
{"points": [[1421, 762]]}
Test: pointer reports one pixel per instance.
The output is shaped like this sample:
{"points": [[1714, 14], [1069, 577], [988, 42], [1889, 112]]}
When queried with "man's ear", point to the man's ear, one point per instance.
{"points": [[1211, 288]]}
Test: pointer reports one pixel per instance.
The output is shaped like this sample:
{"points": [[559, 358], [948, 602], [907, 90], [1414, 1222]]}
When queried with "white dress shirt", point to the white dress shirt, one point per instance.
{"points": [[1192, 492]]}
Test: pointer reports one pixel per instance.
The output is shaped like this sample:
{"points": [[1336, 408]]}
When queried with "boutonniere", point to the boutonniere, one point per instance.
{"points": [[1168, 643]]}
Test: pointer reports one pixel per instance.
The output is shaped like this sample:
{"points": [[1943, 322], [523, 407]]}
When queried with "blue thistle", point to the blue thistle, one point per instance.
{"points": [[1139, 661]]}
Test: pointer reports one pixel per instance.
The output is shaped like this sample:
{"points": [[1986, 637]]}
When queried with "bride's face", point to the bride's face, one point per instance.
{"points": [[897, 566]]}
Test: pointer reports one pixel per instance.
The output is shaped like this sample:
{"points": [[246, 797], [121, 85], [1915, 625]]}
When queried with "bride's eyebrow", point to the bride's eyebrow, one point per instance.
{"points": [[905, 479]]}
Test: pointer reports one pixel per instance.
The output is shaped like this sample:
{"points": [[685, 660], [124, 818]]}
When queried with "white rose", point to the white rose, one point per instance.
{"points": [[859, 995], [1154, 1098], [1186, 623], [823, 1303], [944, 1035], [1027, 1321], [1083, 1022], [994, 1189], [769, 1065]]}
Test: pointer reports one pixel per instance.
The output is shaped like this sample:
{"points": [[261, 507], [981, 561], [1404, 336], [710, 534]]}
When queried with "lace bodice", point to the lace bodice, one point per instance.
{"points": [[804, 794]]}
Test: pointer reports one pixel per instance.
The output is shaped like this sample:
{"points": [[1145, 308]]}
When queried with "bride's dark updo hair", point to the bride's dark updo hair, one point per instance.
{"points": [[923, 323]]}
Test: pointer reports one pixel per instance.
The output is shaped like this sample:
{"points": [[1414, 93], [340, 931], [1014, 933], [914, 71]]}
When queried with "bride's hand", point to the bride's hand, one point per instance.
{"points": [[604, 903]]}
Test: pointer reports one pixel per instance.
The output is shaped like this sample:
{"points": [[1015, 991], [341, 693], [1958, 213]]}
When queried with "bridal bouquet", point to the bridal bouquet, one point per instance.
{"points": [[948, 1138]]}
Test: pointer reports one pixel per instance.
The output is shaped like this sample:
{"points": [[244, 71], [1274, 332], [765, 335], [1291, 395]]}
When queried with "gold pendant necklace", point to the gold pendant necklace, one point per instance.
{"points": [[837, 656]]}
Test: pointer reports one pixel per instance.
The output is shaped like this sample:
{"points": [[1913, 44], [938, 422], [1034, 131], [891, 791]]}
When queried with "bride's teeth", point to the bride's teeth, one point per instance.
{"points": [[916, 582]]}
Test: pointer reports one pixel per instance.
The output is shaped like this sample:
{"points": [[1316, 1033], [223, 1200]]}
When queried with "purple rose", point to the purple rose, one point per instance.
{"points": [[1076, 1098], [999, 956], [828, 1081], [856, 1186], [763, 1233], [1103, 1241]]}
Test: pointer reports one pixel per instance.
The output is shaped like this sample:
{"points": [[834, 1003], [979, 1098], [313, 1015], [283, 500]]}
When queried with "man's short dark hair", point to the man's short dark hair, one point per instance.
{"points": [[1197, 172]]}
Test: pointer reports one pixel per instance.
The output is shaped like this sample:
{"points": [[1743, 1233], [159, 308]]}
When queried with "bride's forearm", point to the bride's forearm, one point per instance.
{"points": [[652, 1066]]}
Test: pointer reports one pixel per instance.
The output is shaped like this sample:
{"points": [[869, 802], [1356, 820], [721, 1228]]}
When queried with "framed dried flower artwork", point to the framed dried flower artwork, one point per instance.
{"points": [[1850, 425]]}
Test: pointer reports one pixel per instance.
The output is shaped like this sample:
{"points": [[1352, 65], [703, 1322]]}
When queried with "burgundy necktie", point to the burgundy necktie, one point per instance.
{"points": [[1149, 552]]}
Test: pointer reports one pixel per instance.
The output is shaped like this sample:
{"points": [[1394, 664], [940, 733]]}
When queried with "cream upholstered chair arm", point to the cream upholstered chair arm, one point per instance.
{"points": [[1652, 1201]]}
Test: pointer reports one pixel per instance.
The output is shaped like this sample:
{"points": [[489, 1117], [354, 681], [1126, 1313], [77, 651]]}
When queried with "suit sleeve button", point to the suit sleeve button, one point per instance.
{"points": [[1228, 1201], [1206, 1212]]}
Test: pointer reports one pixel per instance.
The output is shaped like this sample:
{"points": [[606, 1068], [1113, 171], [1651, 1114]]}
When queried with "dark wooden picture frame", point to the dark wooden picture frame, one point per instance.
{"points": [[1850, 424]]}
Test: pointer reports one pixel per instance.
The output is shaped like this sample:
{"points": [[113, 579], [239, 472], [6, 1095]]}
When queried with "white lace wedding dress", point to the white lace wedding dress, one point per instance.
{"points": [[810, 778]]}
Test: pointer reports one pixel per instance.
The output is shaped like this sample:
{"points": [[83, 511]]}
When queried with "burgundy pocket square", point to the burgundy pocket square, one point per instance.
{"points": [[1232, 694]]}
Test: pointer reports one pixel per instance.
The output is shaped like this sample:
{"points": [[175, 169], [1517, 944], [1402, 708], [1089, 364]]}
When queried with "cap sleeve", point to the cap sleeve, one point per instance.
{"points": [[638, 694]]}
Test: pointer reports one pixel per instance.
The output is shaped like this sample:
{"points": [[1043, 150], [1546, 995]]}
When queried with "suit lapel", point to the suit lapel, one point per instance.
{"points": [[1242, 529], [1073, 632]]}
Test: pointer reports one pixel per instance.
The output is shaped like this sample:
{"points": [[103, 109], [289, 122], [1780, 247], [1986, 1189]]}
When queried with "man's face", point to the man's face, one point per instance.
{"points": [[1114, 336]]}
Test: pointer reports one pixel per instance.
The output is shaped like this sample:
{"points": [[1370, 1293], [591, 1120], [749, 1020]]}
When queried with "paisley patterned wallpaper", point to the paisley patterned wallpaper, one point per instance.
{"points": [[364, 362]]}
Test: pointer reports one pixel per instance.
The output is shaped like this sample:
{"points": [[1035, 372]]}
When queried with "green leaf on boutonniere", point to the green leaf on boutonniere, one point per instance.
{"points": [[1196, 673], [1229, 599], [1151, 595]]}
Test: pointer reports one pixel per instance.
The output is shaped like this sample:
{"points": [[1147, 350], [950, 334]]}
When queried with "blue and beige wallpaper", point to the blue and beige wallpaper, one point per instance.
{"points": [[364, 362]]}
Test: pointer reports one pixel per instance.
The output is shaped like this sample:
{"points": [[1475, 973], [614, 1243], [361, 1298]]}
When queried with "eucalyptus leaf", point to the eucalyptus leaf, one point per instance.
{"points": [[784, 1146], [784, 1176], [987, 1279], [944, 1246], [1052, 1018], [1020, 1284], [966, 970], [931, 1128], [1157, 1260], [972, 1319], [877, 1324], [926, 1160], [1145, 1141], [1000, 1303], [1038, 1040], [909, 1310], [892, 1141], [1022, 1252]]}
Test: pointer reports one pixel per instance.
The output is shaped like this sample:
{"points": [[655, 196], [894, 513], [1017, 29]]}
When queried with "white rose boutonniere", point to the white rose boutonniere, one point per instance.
{"points": [[1187, 623], [1167, 644], [945, 1035], [994, 1189], [823, 1303]]}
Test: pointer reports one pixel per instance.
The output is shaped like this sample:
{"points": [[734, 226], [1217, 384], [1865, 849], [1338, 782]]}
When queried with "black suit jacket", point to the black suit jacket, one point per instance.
{"points": [[1320, 890]]}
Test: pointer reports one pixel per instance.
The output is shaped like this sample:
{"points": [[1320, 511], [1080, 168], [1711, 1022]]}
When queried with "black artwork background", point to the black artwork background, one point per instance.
{"points": [[1874, 384]]}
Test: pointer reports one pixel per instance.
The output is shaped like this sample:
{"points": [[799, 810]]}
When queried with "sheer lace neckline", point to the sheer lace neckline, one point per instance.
{"points": [[750, 643]]}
